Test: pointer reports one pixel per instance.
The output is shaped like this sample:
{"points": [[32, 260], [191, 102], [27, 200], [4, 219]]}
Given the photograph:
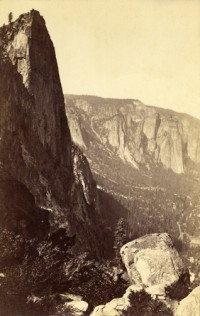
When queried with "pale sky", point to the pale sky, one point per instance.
{"points": [[141, 49]]}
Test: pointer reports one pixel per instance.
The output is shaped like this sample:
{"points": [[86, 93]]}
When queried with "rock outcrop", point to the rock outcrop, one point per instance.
{"points": [[154, 267], [74, 305], [140, 135], [35, 142], [116, 307], [190, 306], [152, 260], [50, 215], [136, 301], [84, 178]]}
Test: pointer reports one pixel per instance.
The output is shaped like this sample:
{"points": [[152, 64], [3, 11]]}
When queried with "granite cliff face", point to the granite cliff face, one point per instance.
{"points": [[141, 135], [145, 161], [35, 142]]}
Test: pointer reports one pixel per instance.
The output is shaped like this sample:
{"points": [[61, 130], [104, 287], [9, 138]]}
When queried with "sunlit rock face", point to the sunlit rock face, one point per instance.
{"points": [[152, 260], [83, 177], [116, 307], [35, 142], [190, 306], [154, 267], [140, 135], [169, 141]]}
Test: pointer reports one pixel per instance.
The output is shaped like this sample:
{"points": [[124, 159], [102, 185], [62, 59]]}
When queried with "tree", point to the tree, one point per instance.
{"points": [[120, 237], [10, 17]]}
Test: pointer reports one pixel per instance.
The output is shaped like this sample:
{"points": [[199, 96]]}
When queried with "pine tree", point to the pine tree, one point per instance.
{"points": [[10, 17]]}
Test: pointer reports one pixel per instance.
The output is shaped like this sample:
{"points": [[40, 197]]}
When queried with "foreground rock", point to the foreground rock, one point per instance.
{"points": [[152, 260], [190, 306], [72, 305], [118, 306], [74, 308], [135, 301], [159, 280]]}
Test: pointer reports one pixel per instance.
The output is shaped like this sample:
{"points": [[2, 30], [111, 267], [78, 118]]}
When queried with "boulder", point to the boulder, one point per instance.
{"points": [[152, 260], [156, 271], [136, 301], [156, 291], [190, 306], [67, 297], [98, 311], [116, 307], [132, 289], [76, 308]]}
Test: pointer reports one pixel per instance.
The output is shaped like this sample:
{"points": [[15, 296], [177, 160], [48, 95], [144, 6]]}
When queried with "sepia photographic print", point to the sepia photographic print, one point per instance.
{"points": [[99, 158]]}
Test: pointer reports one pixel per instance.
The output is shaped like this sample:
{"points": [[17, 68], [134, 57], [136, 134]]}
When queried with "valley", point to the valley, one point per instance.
{"points": [[141, 186], [99, 198]]}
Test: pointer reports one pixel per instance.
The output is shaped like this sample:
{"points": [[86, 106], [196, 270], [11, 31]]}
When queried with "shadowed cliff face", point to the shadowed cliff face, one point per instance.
{"points": [[32, 54], [35, 142], [32, 112], [19, 213], [140, 135]]}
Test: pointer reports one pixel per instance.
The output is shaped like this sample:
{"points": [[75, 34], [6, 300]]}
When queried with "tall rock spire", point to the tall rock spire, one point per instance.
{"points": [[35, 142]]}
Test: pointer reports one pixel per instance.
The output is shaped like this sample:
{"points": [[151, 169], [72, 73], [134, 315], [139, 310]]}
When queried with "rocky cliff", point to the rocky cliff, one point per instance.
{"points": [[50, 217], [35, 142], [51, 228], [141, 135]]}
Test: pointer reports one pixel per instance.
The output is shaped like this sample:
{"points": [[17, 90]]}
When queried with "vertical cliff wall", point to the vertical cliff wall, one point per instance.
{"points": [[35, 142], [141, 135]]}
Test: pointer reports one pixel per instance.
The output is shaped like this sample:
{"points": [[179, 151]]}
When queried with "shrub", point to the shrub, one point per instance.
{"points": [[143, 305]]}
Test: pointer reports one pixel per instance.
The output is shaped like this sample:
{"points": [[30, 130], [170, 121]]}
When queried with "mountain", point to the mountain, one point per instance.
{"points": [[48, 197], [36, 147], [61, 232], [146, 163], [141, 135]]}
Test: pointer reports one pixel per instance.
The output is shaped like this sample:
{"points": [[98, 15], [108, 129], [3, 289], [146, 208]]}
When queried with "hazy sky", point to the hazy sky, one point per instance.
{"points": [[142, 49]]}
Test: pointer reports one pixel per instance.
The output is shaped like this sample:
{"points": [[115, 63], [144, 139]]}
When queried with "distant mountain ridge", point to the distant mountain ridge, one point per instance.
{"points": [[139, 134], [98, 100]]}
